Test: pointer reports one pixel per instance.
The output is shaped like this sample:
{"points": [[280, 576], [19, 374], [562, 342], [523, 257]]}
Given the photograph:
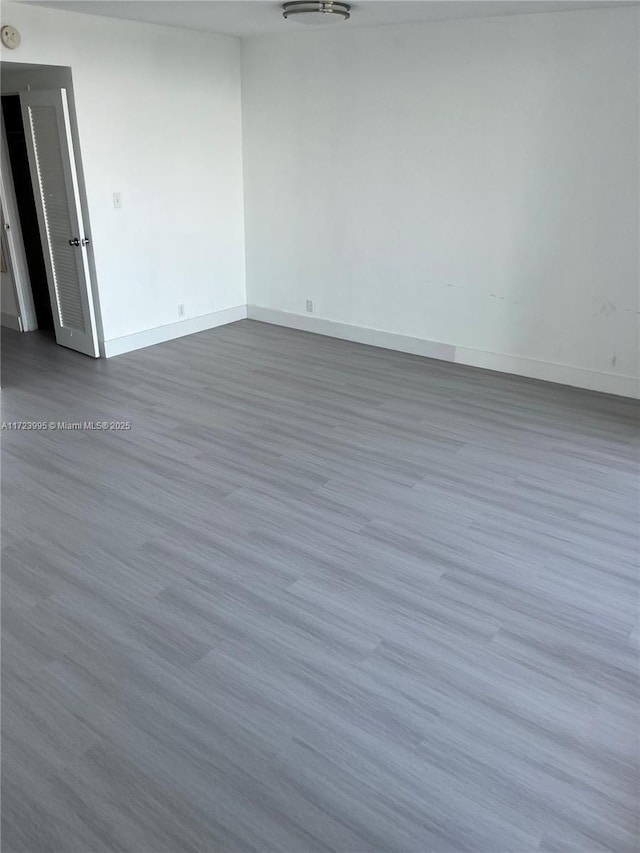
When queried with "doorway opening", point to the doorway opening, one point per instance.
{"points": [[19, 162], [45, 216]]}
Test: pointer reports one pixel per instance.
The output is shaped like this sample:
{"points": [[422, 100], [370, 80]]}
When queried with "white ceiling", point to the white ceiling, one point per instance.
{"points": [[255, 17]]}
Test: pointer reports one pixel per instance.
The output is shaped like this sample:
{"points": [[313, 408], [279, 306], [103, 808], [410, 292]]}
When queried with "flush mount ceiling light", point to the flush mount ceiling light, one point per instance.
{"points": [[316, 12]]}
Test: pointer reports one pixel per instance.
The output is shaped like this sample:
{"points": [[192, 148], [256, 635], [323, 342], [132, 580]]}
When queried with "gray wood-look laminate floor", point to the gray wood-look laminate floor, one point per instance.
{"points": [[320, 597]]}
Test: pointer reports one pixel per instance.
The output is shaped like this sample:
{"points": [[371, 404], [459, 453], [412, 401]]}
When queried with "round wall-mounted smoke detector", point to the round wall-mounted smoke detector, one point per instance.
{"points": [[10, 37], [316, 12]]}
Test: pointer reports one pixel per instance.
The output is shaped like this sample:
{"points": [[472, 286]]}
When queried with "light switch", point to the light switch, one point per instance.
{"points": [[117, 200]]}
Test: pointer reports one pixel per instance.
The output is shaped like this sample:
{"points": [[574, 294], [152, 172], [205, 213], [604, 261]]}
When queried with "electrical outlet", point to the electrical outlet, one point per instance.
{"points": [[181, 310], [310, 306], [117, 200]]}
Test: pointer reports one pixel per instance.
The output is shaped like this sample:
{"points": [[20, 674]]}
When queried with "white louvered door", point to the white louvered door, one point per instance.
{"points": [[55, 188]]}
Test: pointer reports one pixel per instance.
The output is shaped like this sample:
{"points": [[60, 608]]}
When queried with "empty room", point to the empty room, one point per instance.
{"points": [[320, 448]]}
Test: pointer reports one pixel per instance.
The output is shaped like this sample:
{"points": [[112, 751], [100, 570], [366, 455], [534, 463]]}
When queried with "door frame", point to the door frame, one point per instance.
{"points": [[14, 241]]}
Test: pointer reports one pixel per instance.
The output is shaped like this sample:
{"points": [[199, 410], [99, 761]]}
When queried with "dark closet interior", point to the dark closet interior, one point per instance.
{"points": [[27, 209]]}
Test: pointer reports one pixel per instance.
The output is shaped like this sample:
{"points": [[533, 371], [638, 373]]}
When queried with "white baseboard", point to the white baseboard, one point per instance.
{"points": [[563, 374], [149, 337], [359, 334], [10, 321]]}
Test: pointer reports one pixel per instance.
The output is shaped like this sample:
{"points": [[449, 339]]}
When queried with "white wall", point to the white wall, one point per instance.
{"points": [[8, 296], [473, 183], [159, 120], [8, 304]]}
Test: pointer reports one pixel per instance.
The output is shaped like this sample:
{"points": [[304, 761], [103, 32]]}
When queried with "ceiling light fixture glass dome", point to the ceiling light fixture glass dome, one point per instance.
{"points": [[316, 12]]}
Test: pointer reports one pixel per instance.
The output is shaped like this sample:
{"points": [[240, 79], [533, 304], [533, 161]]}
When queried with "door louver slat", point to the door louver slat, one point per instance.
{"points": [[58, 223]]}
